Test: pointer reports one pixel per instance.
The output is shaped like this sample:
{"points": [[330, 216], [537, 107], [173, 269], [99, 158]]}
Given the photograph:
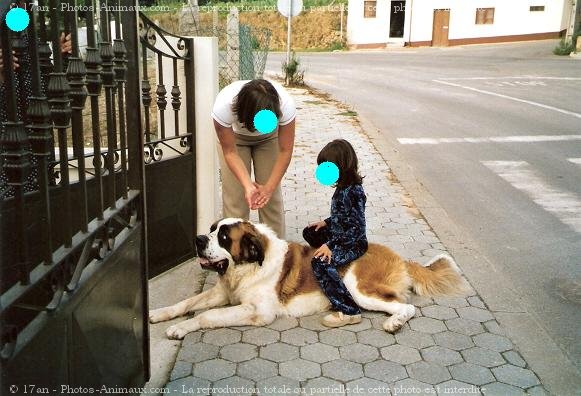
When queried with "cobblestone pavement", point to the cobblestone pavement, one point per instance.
{"points": [[452, 345]]}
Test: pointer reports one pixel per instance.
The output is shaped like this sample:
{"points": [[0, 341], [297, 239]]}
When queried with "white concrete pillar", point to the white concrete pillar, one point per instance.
{"points": [[354, 20], [206, 83]]}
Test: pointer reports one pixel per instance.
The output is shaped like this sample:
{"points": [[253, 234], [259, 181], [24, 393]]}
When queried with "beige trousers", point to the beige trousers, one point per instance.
{"points": [[261, 152]]}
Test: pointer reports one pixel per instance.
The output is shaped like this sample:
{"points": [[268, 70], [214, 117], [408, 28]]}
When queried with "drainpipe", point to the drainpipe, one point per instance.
{"points": [[410, 28], [573, 18], [576, 24], [571, 24], [576, 15]]}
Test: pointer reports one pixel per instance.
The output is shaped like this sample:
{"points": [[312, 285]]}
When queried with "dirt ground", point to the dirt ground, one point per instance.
{"points": [[311, 30]]}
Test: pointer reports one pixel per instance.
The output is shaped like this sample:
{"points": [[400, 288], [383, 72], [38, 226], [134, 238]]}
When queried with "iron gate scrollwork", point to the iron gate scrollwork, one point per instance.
{"points": [[169, 134], [73, 250]]}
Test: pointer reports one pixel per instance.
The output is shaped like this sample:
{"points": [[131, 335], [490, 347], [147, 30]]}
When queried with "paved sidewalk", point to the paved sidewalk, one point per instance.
{"points": [[452, 346]]}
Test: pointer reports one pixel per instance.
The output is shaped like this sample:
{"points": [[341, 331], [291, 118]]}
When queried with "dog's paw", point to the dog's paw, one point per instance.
{"points": [[393, 324], [159, 315], [176, 332]]}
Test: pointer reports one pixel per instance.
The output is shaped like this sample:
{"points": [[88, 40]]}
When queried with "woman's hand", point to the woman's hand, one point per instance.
{"points": [[251, 194], [263, 196], [318, 224], [15, 64], [323, 253]]}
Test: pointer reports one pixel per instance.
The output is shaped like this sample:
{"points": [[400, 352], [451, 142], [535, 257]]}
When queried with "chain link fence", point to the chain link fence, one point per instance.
{"points": [[243, 49]]}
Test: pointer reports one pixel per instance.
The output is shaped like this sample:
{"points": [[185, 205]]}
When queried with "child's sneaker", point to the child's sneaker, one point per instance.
{"points": [[338, 319]]}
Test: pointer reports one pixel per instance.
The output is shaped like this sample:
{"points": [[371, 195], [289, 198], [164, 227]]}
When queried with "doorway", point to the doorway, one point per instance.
{"points": [[441, 28], [396, 19]]}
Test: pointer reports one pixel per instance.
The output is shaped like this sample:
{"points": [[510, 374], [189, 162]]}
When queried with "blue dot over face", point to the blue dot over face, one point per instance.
{"points": [[327, 173], [17, 19], [265, 121]]}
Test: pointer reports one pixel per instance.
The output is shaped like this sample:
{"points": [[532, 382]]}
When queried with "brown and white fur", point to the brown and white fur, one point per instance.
{"points": [[263, 277]]}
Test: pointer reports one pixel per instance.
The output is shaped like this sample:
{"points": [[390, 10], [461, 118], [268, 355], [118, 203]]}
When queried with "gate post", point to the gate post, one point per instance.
{"points": [[206, 88], [189, 18], [215, 21], [246, 64], [233, 45], [135, 142]]}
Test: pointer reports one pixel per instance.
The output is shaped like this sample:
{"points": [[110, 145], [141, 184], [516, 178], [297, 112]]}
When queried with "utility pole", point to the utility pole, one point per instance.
{"points": [[288, 31], [289, 9], [342, 12]]}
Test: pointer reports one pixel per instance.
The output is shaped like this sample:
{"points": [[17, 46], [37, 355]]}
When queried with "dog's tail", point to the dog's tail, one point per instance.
{"points": [[440, 277]]}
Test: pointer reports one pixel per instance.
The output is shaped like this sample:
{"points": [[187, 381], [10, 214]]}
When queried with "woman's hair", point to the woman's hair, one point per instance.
{"points": [[341, 153], [254, 96]]}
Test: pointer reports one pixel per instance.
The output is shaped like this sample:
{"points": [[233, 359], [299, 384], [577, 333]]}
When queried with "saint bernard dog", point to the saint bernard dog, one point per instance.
{"points": [[262, 277]]}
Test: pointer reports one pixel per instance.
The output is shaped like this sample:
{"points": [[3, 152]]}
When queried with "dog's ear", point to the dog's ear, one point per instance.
{"points": [[215, 225], [252, 249]]}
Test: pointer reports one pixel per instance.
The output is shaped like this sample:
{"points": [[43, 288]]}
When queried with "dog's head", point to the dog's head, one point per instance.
{"points": [[230, 241]]}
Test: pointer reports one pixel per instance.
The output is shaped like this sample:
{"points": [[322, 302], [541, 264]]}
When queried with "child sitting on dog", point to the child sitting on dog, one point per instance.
{"points": [[341, 238]]}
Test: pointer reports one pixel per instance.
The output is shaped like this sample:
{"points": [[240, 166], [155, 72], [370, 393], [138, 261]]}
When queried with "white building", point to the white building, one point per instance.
{"points": [[377, 23]]}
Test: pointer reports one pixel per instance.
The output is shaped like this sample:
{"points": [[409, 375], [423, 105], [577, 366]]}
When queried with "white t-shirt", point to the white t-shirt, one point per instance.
{"points": [[224, 114]]}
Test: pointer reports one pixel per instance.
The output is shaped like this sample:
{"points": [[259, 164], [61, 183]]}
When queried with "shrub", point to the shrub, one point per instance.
{"points": [[336, 46], [292, 74], [564, 48], [254, 43]]}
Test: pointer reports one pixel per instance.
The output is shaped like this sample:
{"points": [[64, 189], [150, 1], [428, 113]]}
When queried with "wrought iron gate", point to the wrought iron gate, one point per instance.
{"points": [[78, 222], [170, 168]]}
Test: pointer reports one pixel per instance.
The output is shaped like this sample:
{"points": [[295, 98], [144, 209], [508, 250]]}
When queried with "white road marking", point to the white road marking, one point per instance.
{"points": [[529, 83], [512, 78], [492, 139], [530, 102], [575, 160], [564, 205]]}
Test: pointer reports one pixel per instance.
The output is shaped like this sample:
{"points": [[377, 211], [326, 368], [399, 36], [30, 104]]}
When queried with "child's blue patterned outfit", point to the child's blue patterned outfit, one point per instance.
{"points": [[345, 236]]}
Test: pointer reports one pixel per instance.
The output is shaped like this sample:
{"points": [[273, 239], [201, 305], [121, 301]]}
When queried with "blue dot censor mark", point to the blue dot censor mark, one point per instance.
{"points": [[17, 19], [327, 173], [265, 121]]}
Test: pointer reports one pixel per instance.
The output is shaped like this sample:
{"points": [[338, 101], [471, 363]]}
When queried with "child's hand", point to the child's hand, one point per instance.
{"points": [[318, 224], [323, 253]]}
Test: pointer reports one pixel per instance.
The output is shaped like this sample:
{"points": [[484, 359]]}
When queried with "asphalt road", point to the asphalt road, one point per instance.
{"points": [[494, 134]]}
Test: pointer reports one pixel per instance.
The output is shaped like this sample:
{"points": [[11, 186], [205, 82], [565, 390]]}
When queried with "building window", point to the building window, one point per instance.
{"points": [[484, 16], [369, 8], [536, 8]]}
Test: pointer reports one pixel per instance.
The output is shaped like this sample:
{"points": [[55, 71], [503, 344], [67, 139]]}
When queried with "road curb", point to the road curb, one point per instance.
{"points": [[182, 281]]}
